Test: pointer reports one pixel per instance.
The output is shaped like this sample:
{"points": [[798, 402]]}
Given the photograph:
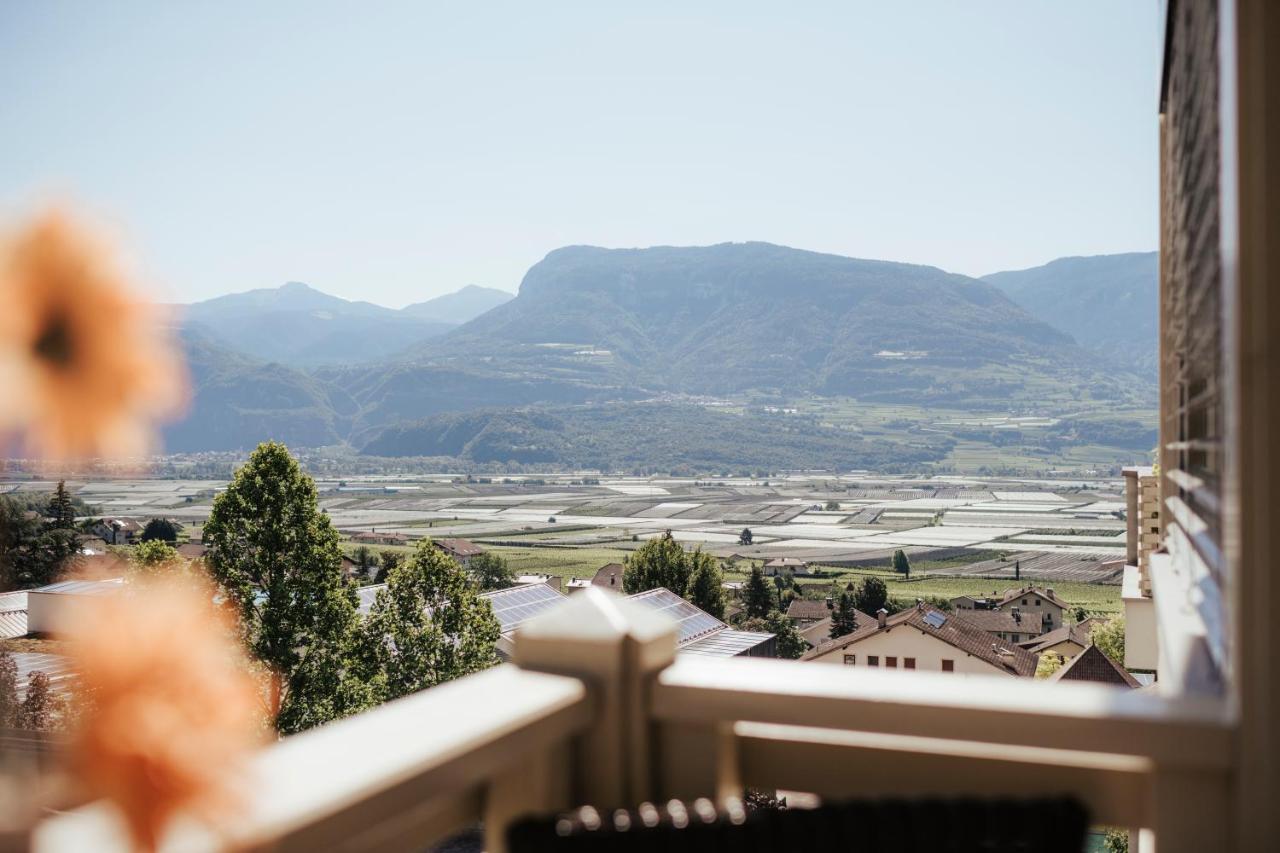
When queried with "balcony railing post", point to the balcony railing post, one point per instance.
{"points": [[616, 647]]}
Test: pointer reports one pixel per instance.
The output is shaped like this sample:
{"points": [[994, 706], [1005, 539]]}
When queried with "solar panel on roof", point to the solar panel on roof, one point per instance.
{"points": [[693, 622], [935, 618], [518, 604]]}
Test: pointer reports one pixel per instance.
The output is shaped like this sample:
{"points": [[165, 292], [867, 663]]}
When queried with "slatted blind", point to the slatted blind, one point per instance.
{"points": [[1192, 321]]}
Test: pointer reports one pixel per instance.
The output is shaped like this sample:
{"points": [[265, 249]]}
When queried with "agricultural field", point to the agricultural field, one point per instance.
{"points": [[963, 533]]}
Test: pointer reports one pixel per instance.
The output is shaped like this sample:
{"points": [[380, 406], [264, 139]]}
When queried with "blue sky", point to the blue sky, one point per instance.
{"points": [[392, 152]]}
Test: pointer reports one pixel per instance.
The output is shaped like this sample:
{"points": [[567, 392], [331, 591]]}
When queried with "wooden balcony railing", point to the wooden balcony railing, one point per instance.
{"points": [[597, 710]]}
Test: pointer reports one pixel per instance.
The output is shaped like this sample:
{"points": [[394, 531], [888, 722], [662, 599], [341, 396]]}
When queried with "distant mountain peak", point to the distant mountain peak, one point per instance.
{"points": [[460, 306]]}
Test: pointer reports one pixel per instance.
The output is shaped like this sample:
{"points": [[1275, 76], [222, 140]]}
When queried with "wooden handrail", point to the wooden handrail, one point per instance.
{"points": [[1190, 732], [393, 778]]}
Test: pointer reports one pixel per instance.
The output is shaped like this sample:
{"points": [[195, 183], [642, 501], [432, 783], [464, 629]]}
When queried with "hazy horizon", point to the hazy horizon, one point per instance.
{"points": [[515, 290], [398, 154]]}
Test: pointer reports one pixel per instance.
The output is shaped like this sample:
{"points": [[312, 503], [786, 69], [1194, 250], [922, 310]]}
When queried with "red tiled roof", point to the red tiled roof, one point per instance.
{"points": [[459, 547], [809, 608], [1040, 592], [1002, 621], [609, 575], [1075, 633], [1093, 665], [958, 633]]}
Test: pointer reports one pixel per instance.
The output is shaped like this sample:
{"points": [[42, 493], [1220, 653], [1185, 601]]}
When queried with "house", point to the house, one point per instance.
{"points": [[374, 537], [1068, 641], [1035, 603], [786, 565], [553, 581], [806, 611], [350, 568], [55, 608], [968, 602], [1008, 625], [733, 589], [609, 576], [117, 531], [1093, 665], [90, 544], [460, 549], [926, 638], [192, 550], [817, 633], [579, 584]]}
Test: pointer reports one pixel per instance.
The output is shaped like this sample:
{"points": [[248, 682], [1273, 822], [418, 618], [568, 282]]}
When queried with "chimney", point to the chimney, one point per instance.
{"points": [[1050, 591], [880, 616], [1017, 616], [919, 604]]}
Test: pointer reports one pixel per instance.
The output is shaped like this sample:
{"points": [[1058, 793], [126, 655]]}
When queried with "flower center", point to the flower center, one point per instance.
{"points": [[55, 344]]}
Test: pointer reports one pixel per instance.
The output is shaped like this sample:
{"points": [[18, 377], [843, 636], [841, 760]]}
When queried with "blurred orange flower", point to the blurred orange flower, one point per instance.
{"points": [[172, 709], [86, 367]]}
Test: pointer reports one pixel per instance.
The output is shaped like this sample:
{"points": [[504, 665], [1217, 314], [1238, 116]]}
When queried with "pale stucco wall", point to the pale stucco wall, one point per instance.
{"points": [[905, 641]]}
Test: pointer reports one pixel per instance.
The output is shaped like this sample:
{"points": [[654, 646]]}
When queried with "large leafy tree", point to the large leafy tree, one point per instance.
{"points": [[33, 551], [901, 564], [278, 560], [1109, 638], [162, 529], [153, 554], [745, 537], [844, 618], [706, 589], [658, 562], [757, 598], [872, 594], [430, 625], [491, 571], [790, 644]]}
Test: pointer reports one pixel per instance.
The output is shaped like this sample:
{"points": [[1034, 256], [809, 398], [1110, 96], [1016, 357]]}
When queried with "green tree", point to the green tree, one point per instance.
{"points": [[1109, 638], [901, 564], [430, 625], [705, 584], [278, 560], [33, 552], [790, 644], [745, 537], [491, 571], [387, 561], [844, 617], [161, 529], [872, 595], [757, 598], [833, 506], [153, 554], [1116, 841], [658, 562], [62, 510], [365, 559], [1049, 663]]}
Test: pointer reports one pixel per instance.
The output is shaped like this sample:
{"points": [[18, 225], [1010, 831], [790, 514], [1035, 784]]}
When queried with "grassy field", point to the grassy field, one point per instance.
{"points": [[1095, 598], [564, 562]]}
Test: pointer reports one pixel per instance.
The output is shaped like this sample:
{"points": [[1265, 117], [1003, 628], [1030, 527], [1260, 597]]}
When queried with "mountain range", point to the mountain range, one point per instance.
{"points": [[1106, 302], [299, 325], [595, 327]]}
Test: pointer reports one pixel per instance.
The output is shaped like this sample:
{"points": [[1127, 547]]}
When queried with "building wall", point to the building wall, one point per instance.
{"points": [[907, 642], [1033, 613], [56, 613], [1067, 648]]}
